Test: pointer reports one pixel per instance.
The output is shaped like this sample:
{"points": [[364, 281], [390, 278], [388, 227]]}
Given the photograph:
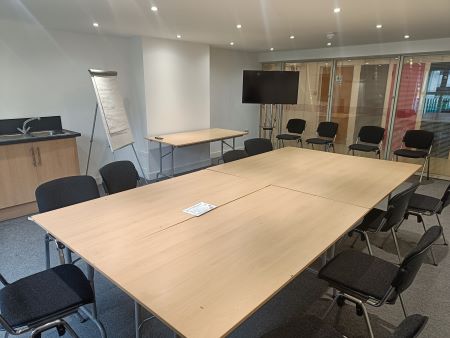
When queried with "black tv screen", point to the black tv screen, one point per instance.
{"points": [[270, 87]]}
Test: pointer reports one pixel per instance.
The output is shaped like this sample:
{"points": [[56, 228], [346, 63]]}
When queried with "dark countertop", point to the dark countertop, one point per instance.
{"points": [[38, 137]]}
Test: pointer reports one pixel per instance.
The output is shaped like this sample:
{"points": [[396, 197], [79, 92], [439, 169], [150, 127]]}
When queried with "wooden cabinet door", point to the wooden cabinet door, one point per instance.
{"points": [[56, 158], [18, 175]]}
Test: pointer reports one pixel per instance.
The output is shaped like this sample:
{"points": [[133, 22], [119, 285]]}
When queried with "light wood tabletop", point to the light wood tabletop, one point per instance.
{"points": [[196, 137], [357, 180], [205, 276], [113, 222]]}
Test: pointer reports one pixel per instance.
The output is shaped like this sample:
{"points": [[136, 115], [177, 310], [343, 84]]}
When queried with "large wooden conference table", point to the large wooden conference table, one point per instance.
{"points": [[203, 276]]}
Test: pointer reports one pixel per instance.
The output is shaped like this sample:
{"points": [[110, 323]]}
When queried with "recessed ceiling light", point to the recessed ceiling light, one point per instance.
{"points": [[379, 26], [328, 43], [349, 60], [178, 36], [337, 10], [231, 43], [271, 49], [292, 37], [95, 24], [366, 63], [154, 9], [407, 36], [238, 26]]}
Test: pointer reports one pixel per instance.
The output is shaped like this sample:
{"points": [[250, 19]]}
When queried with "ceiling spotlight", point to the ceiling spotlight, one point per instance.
{"points": [[366, 63], [406, 36], [349, 60], [271, 49], [231, 43], [292, 37], [95, 24], [328, 43], [379, 26], [337, 10], [178, 36], [238, 26], [154, 9]]}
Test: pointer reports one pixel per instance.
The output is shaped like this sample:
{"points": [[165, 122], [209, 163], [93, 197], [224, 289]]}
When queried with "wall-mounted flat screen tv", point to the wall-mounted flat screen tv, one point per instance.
{"points": [[270, 87]]}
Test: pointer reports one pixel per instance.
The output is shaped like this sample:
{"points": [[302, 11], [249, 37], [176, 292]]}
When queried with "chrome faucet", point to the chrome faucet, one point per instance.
{"points": [[24, 130]]}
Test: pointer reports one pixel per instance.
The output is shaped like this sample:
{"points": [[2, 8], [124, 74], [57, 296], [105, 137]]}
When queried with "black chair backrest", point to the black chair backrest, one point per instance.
{"points": [[119, 176], [397, 207], [410, 327], [257, 146], [327, 129], [371, 134], [413, 261], [234, 155], [420, 139], [296, 126], [445, 200], [66, 191]]}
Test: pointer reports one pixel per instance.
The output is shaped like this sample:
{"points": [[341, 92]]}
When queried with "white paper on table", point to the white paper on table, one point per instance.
{"points": [[199, 209]]}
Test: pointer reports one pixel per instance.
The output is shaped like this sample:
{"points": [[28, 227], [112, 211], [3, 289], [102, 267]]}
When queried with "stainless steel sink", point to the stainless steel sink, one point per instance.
{"points": [[44, 133], [14, 137]]}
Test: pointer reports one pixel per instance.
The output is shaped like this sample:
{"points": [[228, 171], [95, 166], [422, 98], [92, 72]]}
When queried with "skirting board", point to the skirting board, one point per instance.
{"points": [[18, 211]]}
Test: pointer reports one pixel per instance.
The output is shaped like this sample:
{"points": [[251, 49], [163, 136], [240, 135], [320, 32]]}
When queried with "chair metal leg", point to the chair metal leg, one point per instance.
{"points": [[394, 236], [369, 247], [423, 169], [431, 248], [90, 276], [47, 251], [97, 323], [443, 236], [403, 304], [366, 317], [328, 311], [68, 255]]}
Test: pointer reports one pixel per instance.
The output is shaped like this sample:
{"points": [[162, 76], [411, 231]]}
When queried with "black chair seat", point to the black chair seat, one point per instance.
{"points": [[307, 326], [45, 294], [234, 155], [372, 220], [318, 140], [424, 204], [289, 137], [362, 147], [356, 272], [411, 153]]}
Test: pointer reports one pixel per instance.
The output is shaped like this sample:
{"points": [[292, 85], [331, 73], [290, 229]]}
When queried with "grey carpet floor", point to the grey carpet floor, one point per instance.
{"points": [[22, 253]]}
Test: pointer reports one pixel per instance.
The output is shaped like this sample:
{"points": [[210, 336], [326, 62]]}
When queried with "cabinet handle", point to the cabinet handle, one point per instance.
{"points": [[34, 157], [39, 155]]}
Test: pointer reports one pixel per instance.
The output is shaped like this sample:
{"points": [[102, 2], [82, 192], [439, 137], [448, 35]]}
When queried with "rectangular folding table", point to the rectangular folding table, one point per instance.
{"points": [[179, 140]]}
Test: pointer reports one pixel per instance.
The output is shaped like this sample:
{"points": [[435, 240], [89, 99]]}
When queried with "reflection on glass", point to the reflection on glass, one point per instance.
{"points": [[362, 95], [314, 82], [423, 103]]}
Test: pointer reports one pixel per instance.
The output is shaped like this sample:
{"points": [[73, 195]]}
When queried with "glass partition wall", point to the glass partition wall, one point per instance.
{"points": [[363, 92]]}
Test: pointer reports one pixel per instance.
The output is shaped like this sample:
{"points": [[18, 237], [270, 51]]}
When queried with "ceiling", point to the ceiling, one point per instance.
{"points": [[265, 23]]}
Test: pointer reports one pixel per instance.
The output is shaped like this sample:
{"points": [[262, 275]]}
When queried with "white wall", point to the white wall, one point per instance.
{"points": [[177, 95], [380, 49], [227, 110], [45, 73]]}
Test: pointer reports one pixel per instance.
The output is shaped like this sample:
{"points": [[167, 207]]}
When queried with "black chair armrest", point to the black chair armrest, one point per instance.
{"points": [[6, 326]]}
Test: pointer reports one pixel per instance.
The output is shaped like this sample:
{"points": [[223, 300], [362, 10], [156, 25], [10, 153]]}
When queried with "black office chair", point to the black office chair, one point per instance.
{"points": [[423, 205], [40, 302], [309, 326], [372, 138], [364, 279], [255, 146], [119, 176], [61, 193], [234, 155], [417, 144], [295, 128], [326, 132], [377, 220]]}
